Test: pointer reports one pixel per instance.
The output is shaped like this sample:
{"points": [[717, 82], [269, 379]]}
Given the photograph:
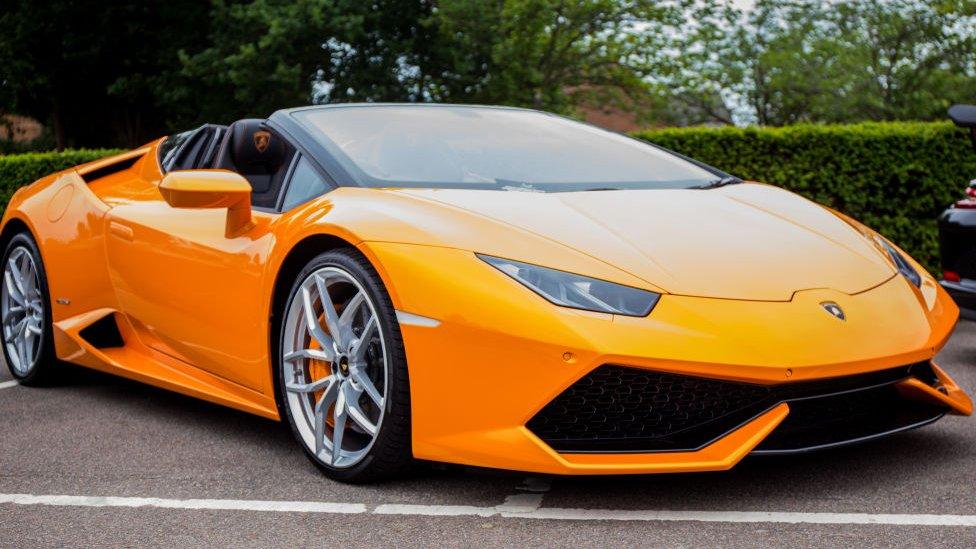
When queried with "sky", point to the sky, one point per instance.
{"points": [[744, 4]]}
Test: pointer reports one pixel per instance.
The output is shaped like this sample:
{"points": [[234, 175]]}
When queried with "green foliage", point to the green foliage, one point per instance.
{"points": [[265, 55], [548, 54], [792, 61], [17, 170], [92, 71], [894, 177], [101, 77]]}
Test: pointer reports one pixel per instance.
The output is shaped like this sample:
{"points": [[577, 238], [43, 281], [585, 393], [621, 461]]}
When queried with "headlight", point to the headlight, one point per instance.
{"points": [[575, 291], [902, 264]]}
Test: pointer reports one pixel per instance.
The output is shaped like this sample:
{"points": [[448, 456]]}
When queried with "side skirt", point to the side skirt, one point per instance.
{"points": [[136, 361]]}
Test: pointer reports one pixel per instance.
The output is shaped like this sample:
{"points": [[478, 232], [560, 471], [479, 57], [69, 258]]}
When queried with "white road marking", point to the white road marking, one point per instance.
{"points": [[435, 510], [9, 384], [217, 504], [756, 517], [515, 507], [536, 488], [521, 503]]}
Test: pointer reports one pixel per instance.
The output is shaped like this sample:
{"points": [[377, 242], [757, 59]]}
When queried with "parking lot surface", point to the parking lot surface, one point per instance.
{"points": [[101, 461]]}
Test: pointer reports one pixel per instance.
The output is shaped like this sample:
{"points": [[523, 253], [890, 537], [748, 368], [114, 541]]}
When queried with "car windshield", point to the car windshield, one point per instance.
{"points": [[491, 148]]}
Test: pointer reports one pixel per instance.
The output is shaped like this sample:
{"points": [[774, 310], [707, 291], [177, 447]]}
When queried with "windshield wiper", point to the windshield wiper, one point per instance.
{"points": [[730, 180]]}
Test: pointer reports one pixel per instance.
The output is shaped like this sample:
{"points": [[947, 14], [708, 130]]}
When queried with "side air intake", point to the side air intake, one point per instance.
{"points": [[103, 333]]}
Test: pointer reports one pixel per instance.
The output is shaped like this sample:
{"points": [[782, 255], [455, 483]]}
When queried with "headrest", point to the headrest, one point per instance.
{"points": [[253, 148]]}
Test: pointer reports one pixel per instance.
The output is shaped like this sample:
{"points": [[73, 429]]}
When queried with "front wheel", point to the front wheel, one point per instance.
{"points": [[342, 370]]}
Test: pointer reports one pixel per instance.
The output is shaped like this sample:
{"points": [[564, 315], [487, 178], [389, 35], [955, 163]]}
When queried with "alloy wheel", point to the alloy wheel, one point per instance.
{"points": [[334, 367], [22, 307]]}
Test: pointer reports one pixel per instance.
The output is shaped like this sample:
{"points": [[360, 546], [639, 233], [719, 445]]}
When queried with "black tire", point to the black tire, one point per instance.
{"points": [[45, 370], [391, 453]]}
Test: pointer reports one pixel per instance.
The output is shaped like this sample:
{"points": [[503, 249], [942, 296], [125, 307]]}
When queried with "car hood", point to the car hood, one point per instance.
{"points": [[745, 241]]}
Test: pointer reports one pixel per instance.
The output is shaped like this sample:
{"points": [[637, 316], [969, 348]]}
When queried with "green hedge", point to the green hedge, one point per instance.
{"points": [[17, 170], [895, 177]]}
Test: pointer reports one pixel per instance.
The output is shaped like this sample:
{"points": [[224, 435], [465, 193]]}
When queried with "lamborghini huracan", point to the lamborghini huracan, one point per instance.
{"points": [[487, 286]]}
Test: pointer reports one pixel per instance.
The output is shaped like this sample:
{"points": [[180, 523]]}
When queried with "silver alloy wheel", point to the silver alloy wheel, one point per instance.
{"points": [[331, 325], [22, 307]]}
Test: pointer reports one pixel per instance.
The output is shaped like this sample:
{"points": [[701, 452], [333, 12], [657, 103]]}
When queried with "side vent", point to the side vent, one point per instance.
{"points": [[103, 333], [114, 167]]}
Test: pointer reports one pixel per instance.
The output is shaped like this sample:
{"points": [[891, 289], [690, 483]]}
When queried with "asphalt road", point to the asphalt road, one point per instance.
{"points": [[99, 436]]}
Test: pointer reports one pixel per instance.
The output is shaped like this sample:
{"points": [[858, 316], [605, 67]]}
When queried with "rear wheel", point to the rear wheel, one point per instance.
{"points": [[25, 313], [342, 370]]}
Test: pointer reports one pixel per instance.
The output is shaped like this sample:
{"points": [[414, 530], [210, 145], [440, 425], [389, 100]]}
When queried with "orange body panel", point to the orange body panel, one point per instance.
{"points": [[194, 304]]}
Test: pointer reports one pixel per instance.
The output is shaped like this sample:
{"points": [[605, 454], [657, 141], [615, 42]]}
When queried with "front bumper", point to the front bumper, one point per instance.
{"points": [[500, 354]]}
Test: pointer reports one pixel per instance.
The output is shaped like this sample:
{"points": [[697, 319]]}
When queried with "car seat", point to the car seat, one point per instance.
{"points": [[262, 157]]}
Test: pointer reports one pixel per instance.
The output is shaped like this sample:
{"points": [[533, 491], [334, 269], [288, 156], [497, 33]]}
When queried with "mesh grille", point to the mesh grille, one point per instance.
{"points": [[615, 403], [615, 408]]}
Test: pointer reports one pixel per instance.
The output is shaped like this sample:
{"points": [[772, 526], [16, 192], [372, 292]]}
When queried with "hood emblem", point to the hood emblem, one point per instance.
{"points": [[834, 309], [261, 140]]}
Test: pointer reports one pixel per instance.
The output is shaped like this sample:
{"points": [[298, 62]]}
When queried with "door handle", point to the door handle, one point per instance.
{"points": [[122, 231]]}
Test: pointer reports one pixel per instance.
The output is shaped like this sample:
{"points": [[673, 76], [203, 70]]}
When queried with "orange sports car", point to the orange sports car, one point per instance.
{"points": [[487, 286]]}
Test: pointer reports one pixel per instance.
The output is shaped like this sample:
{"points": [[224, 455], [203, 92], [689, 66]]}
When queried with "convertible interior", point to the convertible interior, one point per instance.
{"points": [[247, 147]]}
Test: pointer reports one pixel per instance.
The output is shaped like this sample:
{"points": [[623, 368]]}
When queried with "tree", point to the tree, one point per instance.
{"points": [[548, 54], [541, 53], [857, 60], [90, 71], [270, 54], [123, 74], [915, 59], [701, 66]]}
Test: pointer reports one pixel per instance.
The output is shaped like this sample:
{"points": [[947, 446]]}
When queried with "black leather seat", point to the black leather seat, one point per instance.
{"points": [[259, 155]]}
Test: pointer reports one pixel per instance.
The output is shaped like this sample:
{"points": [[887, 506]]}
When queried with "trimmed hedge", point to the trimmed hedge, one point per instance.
{"points": [[894, 177], [17, 170]]}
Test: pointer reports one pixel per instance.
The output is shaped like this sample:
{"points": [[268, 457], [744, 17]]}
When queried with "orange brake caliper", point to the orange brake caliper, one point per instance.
{"points": [[318, 369]]}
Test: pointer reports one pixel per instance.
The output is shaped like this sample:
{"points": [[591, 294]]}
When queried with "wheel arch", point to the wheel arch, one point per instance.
{"points": [[296, 258], [13, 226], [17, 217], [292, 264]]}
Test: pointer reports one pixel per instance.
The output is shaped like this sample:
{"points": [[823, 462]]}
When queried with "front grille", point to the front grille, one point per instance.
{"points": [[616, 408], [621, 409]]}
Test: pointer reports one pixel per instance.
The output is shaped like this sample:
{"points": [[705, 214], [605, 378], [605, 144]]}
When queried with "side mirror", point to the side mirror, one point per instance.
{"points": [[211, 189]]}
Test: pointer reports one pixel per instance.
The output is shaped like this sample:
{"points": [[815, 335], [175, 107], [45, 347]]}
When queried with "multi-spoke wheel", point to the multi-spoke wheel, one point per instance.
{"points": [[342, 369], [24, 311]]}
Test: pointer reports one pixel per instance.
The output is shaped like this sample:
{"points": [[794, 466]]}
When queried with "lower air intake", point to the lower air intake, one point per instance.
{"points": [[621, 409]]}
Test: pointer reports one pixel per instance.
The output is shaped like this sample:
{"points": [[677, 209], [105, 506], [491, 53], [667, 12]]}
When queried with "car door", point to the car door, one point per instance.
{"points": [[188, 290]]}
